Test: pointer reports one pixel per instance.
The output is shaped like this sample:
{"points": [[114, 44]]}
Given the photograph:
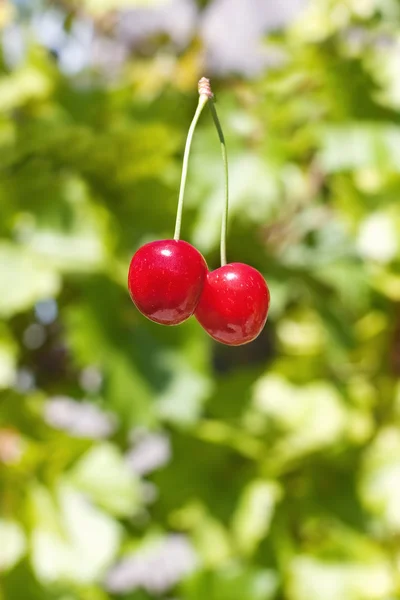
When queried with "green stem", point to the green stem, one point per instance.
{"points": [[224, 224], [202, 102]]}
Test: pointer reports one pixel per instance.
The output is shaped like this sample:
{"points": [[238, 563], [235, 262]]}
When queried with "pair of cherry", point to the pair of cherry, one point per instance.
{"points": [[169, 280]]}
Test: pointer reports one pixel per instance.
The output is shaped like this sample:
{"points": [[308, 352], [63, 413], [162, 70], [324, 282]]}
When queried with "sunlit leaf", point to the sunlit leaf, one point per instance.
{"points": [[25, 279], [312, 579], [233, 583], [80, 542], [23, 86], [359, 145], [104, 477], [380, 482], [13, 544], [254, 514]]}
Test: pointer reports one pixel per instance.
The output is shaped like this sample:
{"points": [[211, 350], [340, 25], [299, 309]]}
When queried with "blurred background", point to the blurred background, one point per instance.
{"points": [[144, 462]]}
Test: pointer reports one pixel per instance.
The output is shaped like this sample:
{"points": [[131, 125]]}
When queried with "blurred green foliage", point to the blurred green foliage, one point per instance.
{"points": [[278, 462]]}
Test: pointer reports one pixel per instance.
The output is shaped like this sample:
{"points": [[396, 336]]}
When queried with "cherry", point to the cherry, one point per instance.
{"points": [[234, 304], [165, 280]]}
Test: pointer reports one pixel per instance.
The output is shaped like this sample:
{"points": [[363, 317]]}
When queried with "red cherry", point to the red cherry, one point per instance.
{"points": [[234, 304], [165, 280]]}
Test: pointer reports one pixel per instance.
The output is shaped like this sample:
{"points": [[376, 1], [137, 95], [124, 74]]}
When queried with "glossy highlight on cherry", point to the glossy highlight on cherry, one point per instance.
{"points": [[165, 280], [234, 304]]}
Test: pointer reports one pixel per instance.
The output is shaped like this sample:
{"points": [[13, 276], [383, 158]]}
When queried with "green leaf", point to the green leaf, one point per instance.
{"points": [[359, 145], [182, 399], [233, 582], [29, 83], [311, 579], [380, 480], [13, 544], [103, 475], [25, 279], [253, 516], [309, 417], [79, 544]]}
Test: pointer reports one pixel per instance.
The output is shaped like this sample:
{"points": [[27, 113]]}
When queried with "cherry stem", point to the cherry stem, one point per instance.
{"points": [[224, 223], [202, 102], [205, 94]]}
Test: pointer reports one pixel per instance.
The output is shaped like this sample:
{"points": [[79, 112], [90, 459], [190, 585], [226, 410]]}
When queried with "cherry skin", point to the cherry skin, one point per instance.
{"points": [[234, 304], [165, 280]]}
